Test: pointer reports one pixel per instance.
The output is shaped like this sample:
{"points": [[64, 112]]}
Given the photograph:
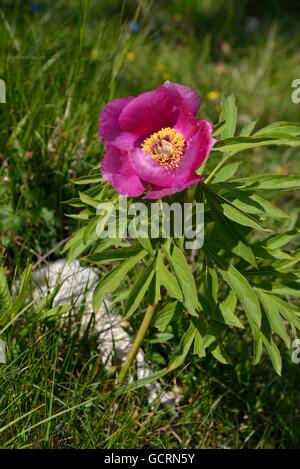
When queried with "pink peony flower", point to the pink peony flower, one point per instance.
{"points": [[154, 141]]}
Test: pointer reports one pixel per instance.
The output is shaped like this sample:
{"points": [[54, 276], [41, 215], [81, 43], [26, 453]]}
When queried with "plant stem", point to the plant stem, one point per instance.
{"points": [[137, 343], [217, 168]]}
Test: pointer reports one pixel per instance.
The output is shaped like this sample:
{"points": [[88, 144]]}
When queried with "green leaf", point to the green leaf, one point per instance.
{"points": [[287, 289], [120, 297], [274, 355], [245, 293], [285, 264], [113, 254], [83, 215], [229, 115], [167, 279], [227, 172], [46, 301], [258, 344], [141, 383], [25, 288], [212, 284], [238, 216], [160, 338], [184, 348], [75, 246], [53, 313], [111, 281], [73, 241], [213, 333], [92, 179], [219, 355], [5, 298], [185, 279], [228, 233], [245, 252], [164, 316], [269, 182], [104, 243], [276, 129], [86, 199], [239, 144], [74, 202], [95, 191], [247, 129], [154, 295], [230, 211], [282, 239], [255, 204], [270, 254], [227, 309], [146, 244], [219, 128], [139, 290], [199, 346], [90, 231], [289, 311], [272, 311]]}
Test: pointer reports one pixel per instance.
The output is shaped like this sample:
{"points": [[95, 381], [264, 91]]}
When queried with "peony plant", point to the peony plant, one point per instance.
{"points": [[244, 277]]}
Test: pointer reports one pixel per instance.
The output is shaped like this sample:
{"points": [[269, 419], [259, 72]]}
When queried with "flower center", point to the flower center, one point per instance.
{"points": [[165, 146]]}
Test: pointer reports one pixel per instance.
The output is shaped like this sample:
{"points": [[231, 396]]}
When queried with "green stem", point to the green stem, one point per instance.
{"points": [[137, 343], [217, 168]]}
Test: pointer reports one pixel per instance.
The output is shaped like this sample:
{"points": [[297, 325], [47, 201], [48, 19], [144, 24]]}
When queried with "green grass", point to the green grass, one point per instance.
{"points": [[53, 378], [61, 65]]}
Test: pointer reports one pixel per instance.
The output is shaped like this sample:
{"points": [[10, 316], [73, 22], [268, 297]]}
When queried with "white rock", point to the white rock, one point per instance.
{"points": [[77, 286]]}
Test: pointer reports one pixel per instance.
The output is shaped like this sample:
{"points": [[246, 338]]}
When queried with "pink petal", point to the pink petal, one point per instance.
{"points": [[117, 170], [198, 149], [185, 95], [186, 124], [109, 128], [125, 141], [148, 113], [157, 193], [150, 170]]}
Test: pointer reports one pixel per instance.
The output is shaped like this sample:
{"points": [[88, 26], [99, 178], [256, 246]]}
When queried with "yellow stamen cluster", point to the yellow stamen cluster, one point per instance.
{"points": [[165, 146]]}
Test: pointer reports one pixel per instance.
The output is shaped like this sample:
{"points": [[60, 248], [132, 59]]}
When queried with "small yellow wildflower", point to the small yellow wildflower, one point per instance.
{"points": [[282, 170], [213, 95], [130, 56], [166, 76], [94, 55], [160, 67]]}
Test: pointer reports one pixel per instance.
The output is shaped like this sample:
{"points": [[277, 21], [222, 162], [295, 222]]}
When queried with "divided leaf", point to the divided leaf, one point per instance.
{"points": [[185, 279], [111, 281]]}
